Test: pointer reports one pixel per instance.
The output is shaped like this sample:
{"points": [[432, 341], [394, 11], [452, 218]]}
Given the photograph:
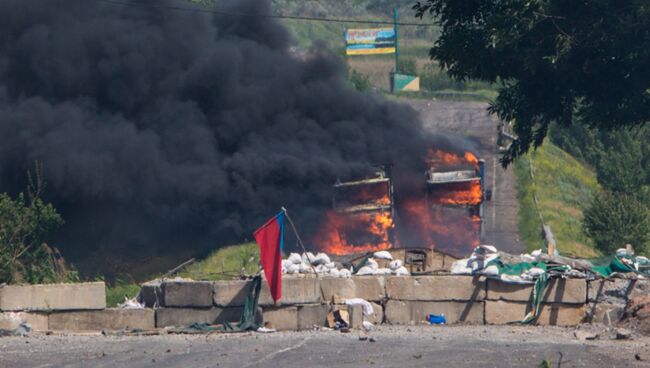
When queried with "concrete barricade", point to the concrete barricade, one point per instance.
{"points": [[503, 312], [568, 291], [107, 319], [183, 317], [435, 288], [414, 312], [295, 290], [311, 315], [371, 288], [52, 297], [11, 320], [282, 318], [187, 293]]}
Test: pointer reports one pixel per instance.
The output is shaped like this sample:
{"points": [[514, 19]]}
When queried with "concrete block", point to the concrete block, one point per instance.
{"points": [[295, 290], [182, 317], [89, 295], [187, 293], [281, 318], [503, 312], [435, 288], [605, 313], [568, 291], [409, 312], [610, 290], [356, 316], [371, 288], [311, 315], [11, 320], [151, 294], [107, 319]]}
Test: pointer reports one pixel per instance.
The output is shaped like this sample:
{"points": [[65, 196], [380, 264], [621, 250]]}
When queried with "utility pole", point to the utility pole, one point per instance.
{"points": [[395, 20]]}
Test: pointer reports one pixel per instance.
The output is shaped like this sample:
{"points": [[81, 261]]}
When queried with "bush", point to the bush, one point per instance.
{"points": [[360, 81], [615, 219], [24, 224]]}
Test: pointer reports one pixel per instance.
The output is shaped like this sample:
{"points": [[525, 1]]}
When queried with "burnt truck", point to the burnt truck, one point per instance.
{"points": [[455, 197], [366, 211]]}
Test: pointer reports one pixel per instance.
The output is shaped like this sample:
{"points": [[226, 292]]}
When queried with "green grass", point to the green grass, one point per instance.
{"points": [[115, 294], [563, 186], [225, 263], [222, 264]]}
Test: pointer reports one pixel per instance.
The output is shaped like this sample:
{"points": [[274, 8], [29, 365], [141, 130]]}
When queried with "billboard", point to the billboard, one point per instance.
{"points": [[370, 41]]}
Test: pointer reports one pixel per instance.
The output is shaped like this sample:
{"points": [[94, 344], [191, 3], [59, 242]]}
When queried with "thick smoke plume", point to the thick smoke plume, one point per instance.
{"points": [[164, 130]]}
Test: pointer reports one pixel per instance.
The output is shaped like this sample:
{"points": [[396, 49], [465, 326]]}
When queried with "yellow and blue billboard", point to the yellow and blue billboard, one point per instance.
{"points": [[370, 41]]}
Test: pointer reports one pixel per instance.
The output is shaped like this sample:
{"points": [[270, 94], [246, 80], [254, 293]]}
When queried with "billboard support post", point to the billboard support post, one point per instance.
{"points": [[395, 25]]}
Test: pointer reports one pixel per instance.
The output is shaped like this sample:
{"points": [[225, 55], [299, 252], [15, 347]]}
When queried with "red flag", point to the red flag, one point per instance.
{"points": [[270, 238]]}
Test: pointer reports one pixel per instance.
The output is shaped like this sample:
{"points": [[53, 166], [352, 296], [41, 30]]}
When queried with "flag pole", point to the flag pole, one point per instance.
{"points": [[286, 213]]}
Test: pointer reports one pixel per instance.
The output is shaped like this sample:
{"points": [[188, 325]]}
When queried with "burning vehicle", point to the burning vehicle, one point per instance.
{"points": [[446, 215], [361, 218], [454, 197]]}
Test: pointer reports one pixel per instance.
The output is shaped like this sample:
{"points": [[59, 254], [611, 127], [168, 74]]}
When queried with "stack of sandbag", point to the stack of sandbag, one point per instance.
{"points": [[477, 262], [310, 263], [371, 267]]}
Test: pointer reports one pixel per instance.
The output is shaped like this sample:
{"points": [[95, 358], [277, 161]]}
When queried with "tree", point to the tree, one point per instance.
{"points": [[24, 224], [553, 60], [615, 219]]}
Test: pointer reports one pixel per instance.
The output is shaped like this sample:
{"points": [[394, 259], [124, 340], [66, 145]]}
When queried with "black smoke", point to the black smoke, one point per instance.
{"points": [[170, 131]]}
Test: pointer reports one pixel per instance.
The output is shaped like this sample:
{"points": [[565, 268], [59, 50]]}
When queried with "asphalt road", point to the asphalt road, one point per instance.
{"points": [[470, 123], [414, 346]]}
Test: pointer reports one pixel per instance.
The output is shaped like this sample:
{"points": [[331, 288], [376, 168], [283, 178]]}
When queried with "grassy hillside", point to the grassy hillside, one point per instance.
{"points": [[563, 186], [225, 263]]}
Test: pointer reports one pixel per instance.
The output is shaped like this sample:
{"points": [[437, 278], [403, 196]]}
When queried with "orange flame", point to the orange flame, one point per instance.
{"points": [[440, 159], [446, 229], [345, 233], [468, 193]]}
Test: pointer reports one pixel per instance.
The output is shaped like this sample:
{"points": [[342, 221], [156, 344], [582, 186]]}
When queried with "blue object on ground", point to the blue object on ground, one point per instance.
{"points": [[435, 319]]}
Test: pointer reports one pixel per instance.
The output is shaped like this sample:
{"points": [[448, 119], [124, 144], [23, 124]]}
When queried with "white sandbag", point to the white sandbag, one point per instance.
{"points": [[321, 269], [383, 254], [383, 271], [331, 265], [305, 268], [394, 265], [295, 258], [371, 263], [335, 273], [365, 305], [365, 270], [308, 258], [491, 270], [536, 271], [293, 268], [460, 267], [321, 258], [345, 273], [536, 253], [402, 271]]}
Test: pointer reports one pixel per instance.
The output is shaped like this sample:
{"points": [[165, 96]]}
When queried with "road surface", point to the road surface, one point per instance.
{"points": [[389, 346]]}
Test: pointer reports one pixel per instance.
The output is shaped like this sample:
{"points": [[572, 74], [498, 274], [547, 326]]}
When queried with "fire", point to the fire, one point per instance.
{"points": [[468, 193], [350, 233], [448, 229], [441, 159]]}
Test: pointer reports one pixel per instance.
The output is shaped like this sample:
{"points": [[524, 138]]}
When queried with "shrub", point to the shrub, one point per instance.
{"points": [[25, 221], [615, 219]]}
